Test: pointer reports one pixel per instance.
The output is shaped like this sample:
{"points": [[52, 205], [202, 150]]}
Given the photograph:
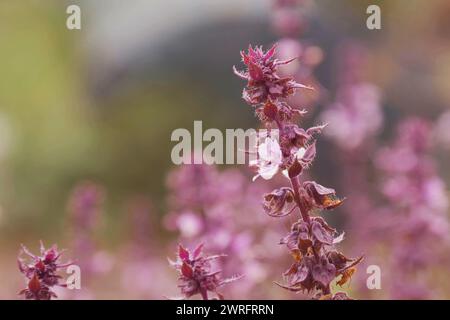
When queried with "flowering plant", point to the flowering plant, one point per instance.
{"points": [[196, 273], [311, 240], [41, 272]]}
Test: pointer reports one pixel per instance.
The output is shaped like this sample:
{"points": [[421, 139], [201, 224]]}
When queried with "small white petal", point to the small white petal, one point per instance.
{"points": [[263, 149], [339, 238], [268, 172], [300, 153]]}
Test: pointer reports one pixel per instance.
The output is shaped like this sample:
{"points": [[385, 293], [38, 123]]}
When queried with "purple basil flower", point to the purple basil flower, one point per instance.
{"points": [[311, 241], [197, 275], [279, 202], [41, 272], [263, 82]]}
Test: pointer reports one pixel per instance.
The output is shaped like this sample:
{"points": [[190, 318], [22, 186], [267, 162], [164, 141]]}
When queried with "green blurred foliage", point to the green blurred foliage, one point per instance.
{"points": [[61, 135]]}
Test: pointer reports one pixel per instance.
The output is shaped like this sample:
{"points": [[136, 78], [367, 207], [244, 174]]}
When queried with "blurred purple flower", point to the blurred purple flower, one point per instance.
{"points": [[355, 116], [84, 206], [141, 256], [289, 19], [221, 208], [418, 204]]}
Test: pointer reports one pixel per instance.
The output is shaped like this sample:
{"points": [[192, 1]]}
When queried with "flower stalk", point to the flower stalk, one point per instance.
{"points": [[41, 272], [311, 241], [197, 275]]}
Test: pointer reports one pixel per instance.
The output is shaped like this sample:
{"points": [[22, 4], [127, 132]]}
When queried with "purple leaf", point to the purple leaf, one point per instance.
{"points": [[183, 253], [324, 272], [186, 270], [321, 234], [197, 251], [315, 130], [310, 153], [299, 276]]}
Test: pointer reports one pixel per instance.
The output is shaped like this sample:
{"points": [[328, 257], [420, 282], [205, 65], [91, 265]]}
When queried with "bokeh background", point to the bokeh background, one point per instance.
{"points": [[93, 110]]}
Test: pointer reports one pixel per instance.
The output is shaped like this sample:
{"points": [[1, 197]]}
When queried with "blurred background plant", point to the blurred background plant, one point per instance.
{"points": [[100, 104]]}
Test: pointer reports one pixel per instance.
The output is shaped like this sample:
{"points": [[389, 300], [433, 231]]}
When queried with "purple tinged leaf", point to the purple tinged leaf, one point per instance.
{"points": [[283, 62], [183, 253], [269, 54], [341, 296], [310, 153], [299, 276], [186, 270], [255, 72], [293, 289], [315, 130], [251, 51], [275, 203], [291, 241], [353, 263], [338, 259], [323, 191], [276, 89], [34, 285], [300, 133], [324, 272], [197, 251], [211, 274], [323, 197], [50, 255], [321, 234], [214, 257]]}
